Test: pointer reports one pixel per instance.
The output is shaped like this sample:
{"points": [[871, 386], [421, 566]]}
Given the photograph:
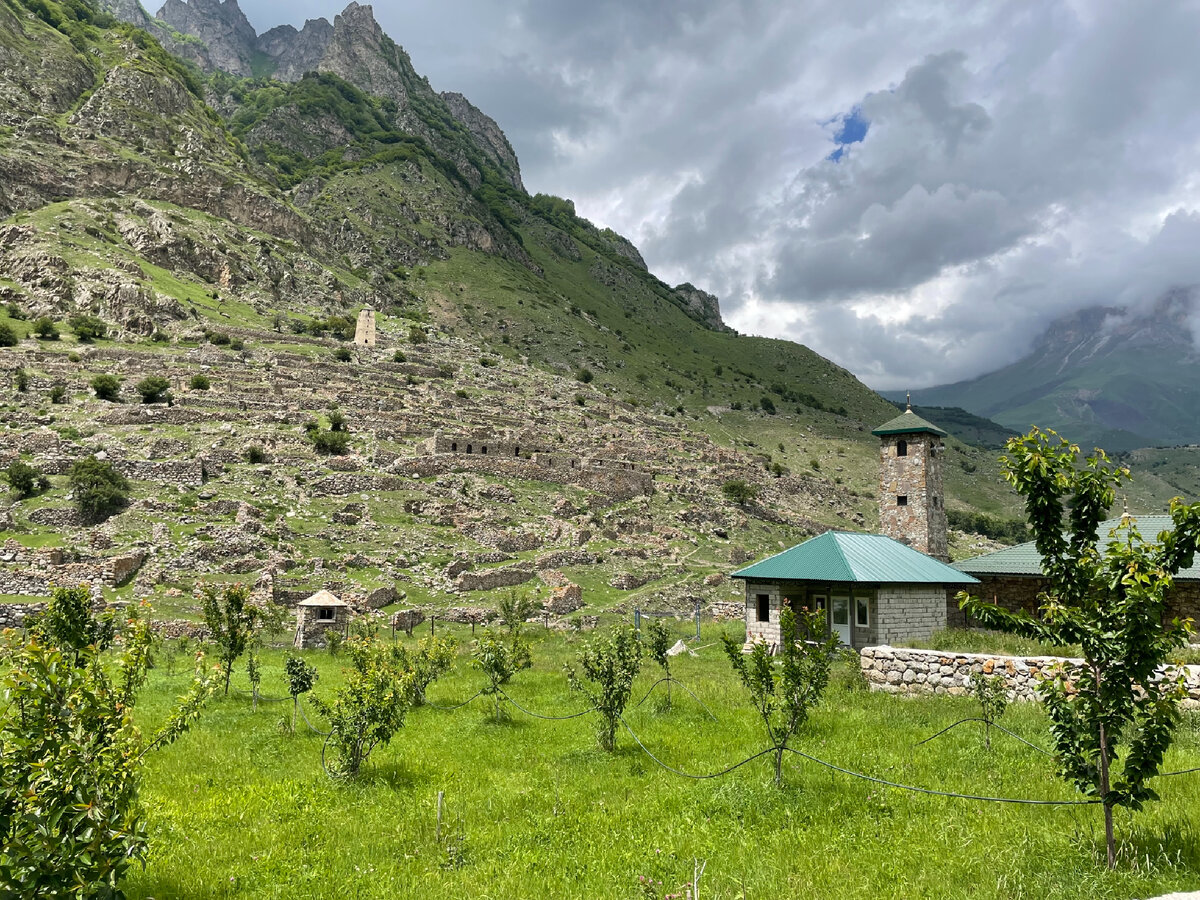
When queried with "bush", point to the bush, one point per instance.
{"points": [[584, 375], [8, 337], [237, 344], [21, 381], [739, 491], [160, 337], [88, 328], [72, 757], [417, 335], [342, 354], [767, 405], [432, 659], [330, 443], [199, 383], [370, 707], [24, 479], [220, 338], [45, 329], [107, 387], [154, 389], [58, 394], [14, 310], [99, 489], [499, 662], [399, 356], [255, 454], [337, 421]]}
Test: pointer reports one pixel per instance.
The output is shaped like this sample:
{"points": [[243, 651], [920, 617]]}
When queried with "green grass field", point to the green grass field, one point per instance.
{"points": [[238, 808]]}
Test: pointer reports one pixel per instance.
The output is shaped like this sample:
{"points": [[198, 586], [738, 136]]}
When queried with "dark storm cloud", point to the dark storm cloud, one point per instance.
{"points": [[1021, 159]]}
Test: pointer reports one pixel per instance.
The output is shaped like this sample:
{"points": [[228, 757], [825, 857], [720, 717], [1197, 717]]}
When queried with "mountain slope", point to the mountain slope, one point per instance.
{"points": [[1101, 376]]}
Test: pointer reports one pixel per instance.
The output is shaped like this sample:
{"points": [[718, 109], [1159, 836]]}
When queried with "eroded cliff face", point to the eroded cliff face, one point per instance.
{"points": [[487, 134], [701, 306], [219, 24]]}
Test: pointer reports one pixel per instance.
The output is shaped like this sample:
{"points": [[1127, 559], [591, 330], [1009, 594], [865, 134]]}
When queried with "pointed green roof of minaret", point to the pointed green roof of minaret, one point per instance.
{"points": [[908, 422]]}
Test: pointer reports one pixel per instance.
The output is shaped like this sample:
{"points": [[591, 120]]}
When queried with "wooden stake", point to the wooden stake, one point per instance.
{"points": [[440, 798]]}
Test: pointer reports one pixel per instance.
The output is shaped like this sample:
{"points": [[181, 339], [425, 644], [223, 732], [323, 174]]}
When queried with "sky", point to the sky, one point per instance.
{"points": [[913, 189]]}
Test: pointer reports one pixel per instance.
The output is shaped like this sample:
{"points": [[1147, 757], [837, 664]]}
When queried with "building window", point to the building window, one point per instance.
{"points": [[484, 451], [454, 447], [324, 615], [516, 451], [901, 499], [468, 448], [902, 448], [862, 610], [763, 601]]}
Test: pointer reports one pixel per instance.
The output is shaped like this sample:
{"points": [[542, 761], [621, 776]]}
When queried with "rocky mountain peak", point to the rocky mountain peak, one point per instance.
{"points": [[701, 306], [221, 25]]}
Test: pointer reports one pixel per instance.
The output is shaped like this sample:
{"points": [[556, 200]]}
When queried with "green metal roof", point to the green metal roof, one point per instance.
{"points": [[908, 422], [1024, 559], [860, 558]]}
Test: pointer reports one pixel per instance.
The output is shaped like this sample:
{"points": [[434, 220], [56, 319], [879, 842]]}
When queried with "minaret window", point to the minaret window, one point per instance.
{"points": [[902, 500], [902, 448]]}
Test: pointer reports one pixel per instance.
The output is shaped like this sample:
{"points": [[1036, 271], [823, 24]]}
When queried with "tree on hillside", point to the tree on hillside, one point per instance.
{"points": [[99, 489], [739, 491], [107, 387], [154, 389], [24, 479], [1110, 601], [88, 328]]}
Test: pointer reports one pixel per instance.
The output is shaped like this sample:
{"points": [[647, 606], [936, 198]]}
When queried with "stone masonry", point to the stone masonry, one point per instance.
{"points": [[364, 329], [911, 499], [896, 670]]}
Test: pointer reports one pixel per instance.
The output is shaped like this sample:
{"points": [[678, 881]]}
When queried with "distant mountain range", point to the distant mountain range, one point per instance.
{"points": [[1103, 376]]}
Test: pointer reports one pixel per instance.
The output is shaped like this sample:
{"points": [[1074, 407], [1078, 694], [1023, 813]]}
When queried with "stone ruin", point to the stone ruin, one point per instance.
{"points": [[321, 612], [364, 330]]}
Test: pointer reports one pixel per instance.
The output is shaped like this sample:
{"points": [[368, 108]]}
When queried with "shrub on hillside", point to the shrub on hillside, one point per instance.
{"points": [[8, 337], [739, 491], [199, 382], [88, 328], [107, 387], [343, 354], [330, 443], [417, 335], [21, 381], [99, 489], [45, 329], [24, 479], [220, 338], [58, 394], [584, 375], [154, 389], [255, 454]]}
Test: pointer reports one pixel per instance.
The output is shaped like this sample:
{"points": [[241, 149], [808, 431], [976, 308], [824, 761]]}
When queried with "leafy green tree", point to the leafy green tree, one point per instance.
{"points": [[500, 661], [70, 757], [330, 443], [107, 387], [515, 609], [199, 382], [21, 381], [88, 328], [24, 479], [99, 489], [739, 491], [301, 676], [785, 691], [154, 389], [1111, 602], [58, 394], [343, 354], [8, 337], [370, 707], [767, 405], [584, 375], [609, 664], [337, 420], [432, 659], [45, 328], [231, 620]]}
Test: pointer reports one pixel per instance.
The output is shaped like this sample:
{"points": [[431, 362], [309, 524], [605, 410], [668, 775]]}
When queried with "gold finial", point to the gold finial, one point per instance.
{"points": [[908, 400]]}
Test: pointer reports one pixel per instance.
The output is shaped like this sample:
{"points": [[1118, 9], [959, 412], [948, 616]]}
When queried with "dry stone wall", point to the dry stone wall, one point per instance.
{"points": [[897, 670]]}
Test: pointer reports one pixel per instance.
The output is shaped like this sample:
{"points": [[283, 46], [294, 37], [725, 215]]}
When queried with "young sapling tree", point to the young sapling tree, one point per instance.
{"points": [[1111, 601], [301, 676], [609, 664], [499, 661], [992, 694], [657, 641], [432, 659], [785, 694], [231, 619]]}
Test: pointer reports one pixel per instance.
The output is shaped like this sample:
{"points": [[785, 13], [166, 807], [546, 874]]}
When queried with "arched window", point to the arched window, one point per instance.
{"points": [[468, 448], [484, 450], [454, 447], [902, 448], [516, 451]]}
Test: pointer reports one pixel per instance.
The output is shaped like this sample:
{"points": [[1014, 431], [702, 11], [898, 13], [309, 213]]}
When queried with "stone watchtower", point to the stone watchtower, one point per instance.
{"points": [[912, 506]]}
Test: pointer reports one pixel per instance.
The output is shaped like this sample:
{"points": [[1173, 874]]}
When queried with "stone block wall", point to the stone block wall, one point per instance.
{"points": [[896, 670], [916, 476], [908, 612]]}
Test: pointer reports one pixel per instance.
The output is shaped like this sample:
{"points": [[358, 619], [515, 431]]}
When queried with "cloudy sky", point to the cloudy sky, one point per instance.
{"points": [[913, 189]]}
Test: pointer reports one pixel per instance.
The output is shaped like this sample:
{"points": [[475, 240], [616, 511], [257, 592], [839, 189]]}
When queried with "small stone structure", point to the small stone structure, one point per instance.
{"points": [[897, 670], [318, 614], [364, 330]]}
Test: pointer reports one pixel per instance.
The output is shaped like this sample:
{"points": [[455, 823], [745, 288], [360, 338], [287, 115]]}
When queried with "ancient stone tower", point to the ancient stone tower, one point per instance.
{"points": [[364, 331], [911, 500]]}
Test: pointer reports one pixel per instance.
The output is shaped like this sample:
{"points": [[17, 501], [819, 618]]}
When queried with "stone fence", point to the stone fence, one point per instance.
{"points": [[898, 670]]}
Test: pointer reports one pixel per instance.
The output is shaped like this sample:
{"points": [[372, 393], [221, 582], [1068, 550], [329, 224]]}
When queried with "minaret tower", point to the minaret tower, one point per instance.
{"points": [[912, 506]]}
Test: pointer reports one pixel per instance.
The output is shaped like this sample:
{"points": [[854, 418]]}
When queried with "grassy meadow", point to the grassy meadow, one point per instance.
{"points": [[239, 808]]}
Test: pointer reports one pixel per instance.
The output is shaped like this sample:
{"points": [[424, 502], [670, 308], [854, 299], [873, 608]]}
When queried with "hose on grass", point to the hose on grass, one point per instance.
{"points": [[470, 699], [675, 771], [682, 685], [994, 725], [538, 715]]}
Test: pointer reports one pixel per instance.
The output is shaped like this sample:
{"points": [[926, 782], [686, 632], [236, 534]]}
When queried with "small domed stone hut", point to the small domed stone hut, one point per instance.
{"points": [[316, 615]]}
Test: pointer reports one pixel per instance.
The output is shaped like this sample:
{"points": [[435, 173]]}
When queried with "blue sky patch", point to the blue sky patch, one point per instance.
{"points": [[851, 130]]}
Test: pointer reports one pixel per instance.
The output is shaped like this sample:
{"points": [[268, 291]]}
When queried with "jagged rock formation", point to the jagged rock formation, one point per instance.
{"points": [[701, 306], [219, 24]]}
